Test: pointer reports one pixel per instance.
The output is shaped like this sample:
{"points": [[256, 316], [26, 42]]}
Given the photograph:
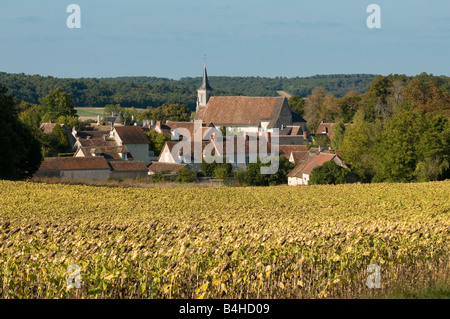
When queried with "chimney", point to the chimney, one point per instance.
{"points": [[267, 134], [152, 122], [158, 123], [213, 136]]}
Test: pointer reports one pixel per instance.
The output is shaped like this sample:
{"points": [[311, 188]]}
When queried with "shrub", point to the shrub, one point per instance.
{"points": [[329, 173], [185, 175], [223, 171]]}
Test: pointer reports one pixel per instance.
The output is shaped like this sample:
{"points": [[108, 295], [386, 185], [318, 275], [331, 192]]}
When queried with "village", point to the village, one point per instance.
{"points": [[120, 151]]}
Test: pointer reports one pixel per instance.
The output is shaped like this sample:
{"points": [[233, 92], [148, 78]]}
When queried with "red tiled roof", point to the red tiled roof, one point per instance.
{"points": [[318, 161], [127, 166], [325, 129], [315, 150], [131, 135], [159, 167], [240, 110], [73, 163], [296, 130], [287, 149], [302, 159]]}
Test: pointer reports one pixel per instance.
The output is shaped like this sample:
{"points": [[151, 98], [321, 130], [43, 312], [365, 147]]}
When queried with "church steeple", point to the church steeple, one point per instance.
{"points": [[205, 83], [204, 91]]}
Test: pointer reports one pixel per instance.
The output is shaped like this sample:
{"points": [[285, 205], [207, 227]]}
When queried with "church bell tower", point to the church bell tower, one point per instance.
{"points": [[204, 91]]}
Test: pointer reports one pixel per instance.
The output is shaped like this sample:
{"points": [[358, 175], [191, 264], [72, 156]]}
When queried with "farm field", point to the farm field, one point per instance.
{"points": [[89, 111], [226, 242], [92, 111]]}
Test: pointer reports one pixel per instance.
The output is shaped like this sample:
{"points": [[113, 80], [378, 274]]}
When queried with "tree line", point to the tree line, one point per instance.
{"points": [[143, 92]]}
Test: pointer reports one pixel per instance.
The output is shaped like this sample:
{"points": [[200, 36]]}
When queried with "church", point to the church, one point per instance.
{"points": [[246, 114]]}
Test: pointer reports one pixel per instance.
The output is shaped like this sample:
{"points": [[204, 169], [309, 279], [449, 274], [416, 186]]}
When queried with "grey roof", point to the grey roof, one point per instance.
{"points": [[205, 83], [119, 119]]}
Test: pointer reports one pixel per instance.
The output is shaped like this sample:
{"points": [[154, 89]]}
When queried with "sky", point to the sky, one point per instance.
{"points": [[267, 38]]}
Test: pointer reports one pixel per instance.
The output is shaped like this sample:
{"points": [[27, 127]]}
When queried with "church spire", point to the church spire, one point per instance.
{"points": [[205, 83], [204, 91]]}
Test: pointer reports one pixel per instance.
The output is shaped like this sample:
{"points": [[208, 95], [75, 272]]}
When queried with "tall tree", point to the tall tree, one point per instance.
{"points": [[168, 112], [21, 152], [157, 141], [396, 149], [313, 107], [296, 103], [433, 150], [338, 134], [57, 103], [357, 147]]}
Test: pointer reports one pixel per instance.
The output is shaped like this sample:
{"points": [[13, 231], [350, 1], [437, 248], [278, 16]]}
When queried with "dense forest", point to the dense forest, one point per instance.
{"points": [[143, 92]]}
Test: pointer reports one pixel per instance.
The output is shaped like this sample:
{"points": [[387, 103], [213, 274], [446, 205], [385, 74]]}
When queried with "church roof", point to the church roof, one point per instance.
{"points": [[240, 110], [205, 83]]}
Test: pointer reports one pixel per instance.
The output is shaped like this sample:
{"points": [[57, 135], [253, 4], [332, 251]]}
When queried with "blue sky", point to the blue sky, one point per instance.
{"points": [[168, 38]]}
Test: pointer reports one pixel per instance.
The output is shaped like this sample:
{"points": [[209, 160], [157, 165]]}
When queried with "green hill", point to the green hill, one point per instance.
{"points": [[142, 92]]}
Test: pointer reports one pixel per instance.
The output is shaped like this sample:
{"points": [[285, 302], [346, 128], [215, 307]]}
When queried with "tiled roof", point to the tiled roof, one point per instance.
{"points": [[315, 150], [249, 147], [302, 159], [287, 149], [91, 134], [325, 129], [318, 161], [74, 163], [296, 130], [131, 135], [240, 110], [159, 167], [291, 140], [108, 151], [47, 128], [96, 142], [103, 128], [127, 166]]}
